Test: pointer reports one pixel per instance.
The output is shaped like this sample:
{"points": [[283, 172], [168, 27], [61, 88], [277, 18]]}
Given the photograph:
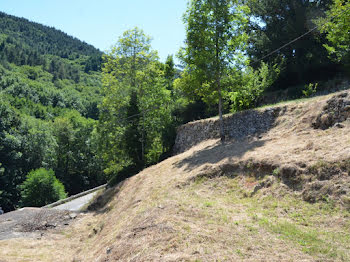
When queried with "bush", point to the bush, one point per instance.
{"points": [[310, 89], [41, 188], [253, 84]]}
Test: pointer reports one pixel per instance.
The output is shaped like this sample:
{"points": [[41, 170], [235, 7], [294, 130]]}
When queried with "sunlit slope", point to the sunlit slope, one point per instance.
{"points": [[280, 196]]}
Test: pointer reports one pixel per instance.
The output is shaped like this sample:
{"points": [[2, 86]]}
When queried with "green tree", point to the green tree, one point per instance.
{"points": [[10, 156], [250, 84], [79, 166], [215, 39], [133, 134], [135, 110], [337, 29], [129, 57], [169, 71], [41, 188], [273, 23]]}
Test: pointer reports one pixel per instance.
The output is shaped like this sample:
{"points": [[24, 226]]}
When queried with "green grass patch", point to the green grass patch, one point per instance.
{"points": [[308, 239]]}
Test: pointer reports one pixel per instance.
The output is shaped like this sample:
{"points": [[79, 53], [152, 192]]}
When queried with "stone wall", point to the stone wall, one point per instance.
{"points": [[237, 126], [336, 110]]}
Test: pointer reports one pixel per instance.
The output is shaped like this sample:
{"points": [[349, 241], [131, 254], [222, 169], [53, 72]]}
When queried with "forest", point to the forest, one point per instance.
{"points": [[73, 117]]}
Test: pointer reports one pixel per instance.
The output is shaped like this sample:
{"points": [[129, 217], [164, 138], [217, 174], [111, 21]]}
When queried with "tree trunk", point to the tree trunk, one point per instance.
{"points": [[221, 120], [143, 137], [218, 75]]}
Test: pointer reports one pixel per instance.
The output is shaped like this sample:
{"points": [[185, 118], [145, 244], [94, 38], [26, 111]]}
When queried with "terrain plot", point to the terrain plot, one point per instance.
{"points": [[282, 195]]}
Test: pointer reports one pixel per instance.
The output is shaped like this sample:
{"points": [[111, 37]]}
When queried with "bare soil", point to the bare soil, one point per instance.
{"points": [[32, 222]]}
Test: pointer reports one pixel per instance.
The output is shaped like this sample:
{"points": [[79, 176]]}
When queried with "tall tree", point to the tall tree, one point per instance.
{"points": [[130, 56], [337, 28], [136, 102], [274, 23], [133, 134], [215, 38], [169, 71]]}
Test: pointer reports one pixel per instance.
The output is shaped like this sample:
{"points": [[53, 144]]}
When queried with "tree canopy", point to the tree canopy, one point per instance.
{"points": [[215, 39], [136, 108]]}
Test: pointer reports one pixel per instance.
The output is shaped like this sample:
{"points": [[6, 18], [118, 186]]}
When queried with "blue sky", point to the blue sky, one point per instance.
{"points": [[101, 22]]}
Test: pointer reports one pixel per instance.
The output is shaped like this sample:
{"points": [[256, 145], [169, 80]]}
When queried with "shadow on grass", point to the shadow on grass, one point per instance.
{"points": [[218, 152]]}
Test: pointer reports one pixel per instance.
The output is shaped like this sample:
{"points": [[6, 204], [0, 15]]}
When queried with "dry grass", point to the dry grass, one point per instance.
{"points": [[172, 212]]}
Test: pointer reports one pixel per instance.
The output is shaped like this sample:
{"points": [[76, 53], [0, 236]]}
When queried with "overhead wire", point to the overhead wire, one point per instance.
{"points": [[267, 55], [301, 36]]}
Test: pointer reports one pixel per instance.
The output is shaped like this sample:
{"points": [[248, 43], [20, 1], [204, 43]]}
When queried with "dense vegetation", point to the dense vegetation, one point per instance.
{"points": [[40, 188], [50, 88], [92, 117], [137, 115]]}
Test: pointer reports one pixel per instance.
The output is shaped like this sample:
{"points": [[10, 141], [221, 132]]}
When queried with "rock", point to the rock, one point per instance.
{"points": [[338, 125], [264, 184], [336, 111], [326, 120], [343, 94], [73, 215]]}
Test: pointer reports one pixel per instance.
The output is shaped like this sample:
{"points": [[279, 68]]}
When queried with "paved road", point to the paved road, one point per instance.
{"points": [[78, 203]]}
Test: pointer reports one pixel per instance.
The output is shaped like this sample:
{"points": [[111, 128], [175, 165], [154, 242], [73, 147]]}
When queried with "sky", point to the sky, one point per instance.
{"points": [[101, 22]]}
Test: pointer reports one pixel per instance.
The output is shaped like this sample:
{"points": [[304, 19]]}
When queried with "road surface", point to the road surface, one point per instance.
{"points": [[78, 203]]}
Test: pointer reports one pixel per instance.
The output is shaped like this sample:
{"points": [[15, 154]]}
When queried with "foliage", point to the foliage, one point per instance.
{"points": [[136, 110], [310, 89], [40, 188], [215, 40], [274, 23], [49, 82], [78, 164], [337, 28], [169, 71], [43, 39], [251, 86]]}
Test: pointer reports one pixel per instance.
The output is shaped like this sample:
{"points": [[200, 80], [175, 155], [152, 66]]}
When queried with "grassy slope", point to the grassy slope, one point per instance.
{"points": [[201, 205]]}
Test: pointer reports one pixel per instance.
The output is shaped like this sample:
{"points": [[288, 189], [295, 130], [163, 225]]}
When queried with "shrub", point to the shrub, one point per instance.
{"points": [[40, 188], [310, 89]]}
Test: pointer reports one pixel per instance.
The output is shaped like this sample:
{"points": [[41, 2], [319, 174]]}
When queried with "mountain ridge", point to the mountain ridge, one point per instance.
{"points": [[28, 29]]}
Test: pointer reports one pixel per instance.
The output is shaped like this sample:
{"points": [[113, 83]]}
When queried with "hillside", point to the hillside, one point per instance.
{"points": [[44, 39], [276, 193], [50, 89]]}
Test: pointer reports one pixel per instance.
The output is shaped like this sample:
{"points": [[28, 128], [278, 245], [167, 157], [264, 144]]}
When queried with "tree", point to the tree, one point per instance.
{"points": [[130, 56], [273, 23], [10, 156], [169, 71], [136, 104], [215, 38], [41, 188], [133, 135], [78, 165], [250, 84], [337, 28]]}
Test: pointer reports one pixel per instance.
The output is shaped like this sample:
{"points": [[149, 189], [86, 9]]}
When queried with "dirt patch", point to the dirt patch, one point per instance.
{"points": [[32, 222]]}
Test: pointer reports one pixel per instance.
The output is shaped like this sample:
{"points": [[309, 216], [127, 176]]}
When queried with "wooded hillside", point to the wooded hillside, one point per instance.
{"points": [[50, 87]]}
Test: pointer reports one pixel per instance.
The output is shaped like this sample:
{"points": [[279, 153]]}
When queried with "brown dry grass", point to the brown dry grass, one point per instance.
{"points": [[169, 212]]}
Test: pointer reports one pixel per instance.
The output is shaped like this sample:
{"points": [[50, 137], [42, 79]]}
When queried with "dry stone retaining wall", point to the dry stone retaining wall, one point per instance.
{"points": [[237, 126]]}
